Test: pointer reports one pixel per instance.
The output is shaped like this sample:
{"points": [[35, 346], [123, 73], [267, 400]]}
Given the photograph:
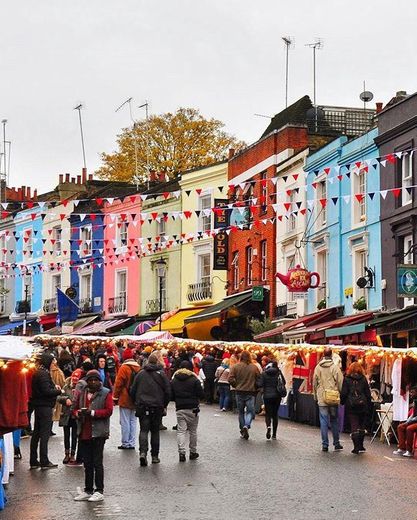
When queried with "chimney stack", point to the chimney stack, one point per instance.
{"points": [[35, 194], [84, 175], [161, 177], [61, 178], [78, 179], [72, 180], [67, 177], [23, 192], [28, 193], [152, 175], [231, 153], [90, 176], [378, 107]]}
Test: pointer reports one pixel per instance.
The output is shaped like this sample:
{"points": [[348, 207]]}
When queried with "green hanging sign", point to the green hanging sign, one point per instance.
{"points": [[257, 294], [407, 280]]}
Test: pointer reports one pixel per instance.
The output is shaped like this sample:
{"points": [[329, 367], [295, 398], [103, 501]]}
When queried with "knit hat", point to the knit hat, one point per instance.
{"points": [[76, 375], [87, 366], [147, 350], [186, 364], [127, 354], [91, 374], [46, 360]]}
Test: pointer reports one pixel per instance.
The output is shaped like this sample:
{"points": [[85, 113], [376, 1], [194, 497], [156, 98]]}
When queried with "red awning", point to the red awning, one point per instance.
{"points": [[336, 323], [101, 327], [48, 319], [308, 319]]}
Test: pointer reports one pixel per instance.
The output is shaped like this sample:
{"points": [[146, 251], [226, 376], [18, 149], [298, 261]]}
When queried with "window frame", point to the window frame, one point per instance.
{"points": [[84, 251], [249, 266]]}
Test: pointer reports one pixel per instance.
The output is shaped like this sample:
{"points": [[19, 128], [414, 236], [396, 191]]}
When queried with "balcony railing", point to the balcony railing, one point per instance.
{"points": [[86, 305], [117, 305], [50, 305], [198, 292], [152, 306], [22, 306]]}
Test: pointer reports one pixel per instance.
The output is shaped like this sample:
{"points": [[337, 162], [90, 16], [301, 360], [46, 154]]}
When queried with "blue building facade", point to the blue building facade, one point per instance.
{"points": [[344, 234]]}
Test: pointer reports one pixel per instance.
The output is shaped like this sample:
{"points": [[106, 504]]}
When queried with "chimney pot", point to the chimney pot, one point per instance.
{"points": [[84, 175], [378, 107], [28, 192], [231, 153], [78, 179], [67, 177], [61, 178], [35, 194], [90, 176], [72, 180], [23, 192]]}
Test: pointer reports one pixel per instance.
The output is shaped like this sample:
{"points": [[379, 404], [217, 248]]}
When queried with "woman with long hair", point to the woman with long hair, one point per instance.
{"points": [[356, 396], [269, 382]]}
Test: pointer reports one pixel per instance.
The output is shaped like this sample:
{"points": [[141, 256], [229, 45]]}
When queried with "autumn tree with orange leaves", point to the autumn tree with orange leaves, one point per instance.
{"points": [[170, 143]]}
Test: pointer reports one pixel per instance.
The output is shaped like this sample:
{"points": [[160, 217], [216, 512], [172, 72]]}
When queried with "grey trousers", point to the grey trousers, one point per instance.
{"points": [[187, 420]]}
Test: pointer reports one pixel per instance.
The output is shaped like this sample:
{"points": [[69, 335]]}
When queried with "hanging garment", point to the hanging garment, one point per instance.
{"points": [[400, 402], [14, 399], [8, 461]]}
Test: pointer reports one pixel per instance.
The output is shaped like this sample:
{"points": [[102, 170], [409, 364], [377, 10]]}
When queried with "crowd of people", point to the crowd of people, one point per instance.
{"points": [[80, 387]]}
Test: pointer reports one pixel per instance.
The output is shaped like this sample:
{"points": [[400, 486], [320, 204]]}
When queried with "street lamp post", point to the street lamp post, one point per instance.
{"points": [[26, 309], [161, 270]]}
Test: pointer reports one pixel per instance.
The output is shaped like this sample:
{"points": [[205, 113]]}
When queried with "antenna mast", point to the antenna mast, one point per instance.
{"points": [[79, 107], [135, 143], [317, 45], [289, 42], [146, 107]]}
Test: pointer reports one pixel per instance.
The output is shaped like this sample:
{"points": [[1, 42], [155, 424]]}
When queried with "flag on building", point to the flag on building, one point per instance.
{"points": [[67, 309]]}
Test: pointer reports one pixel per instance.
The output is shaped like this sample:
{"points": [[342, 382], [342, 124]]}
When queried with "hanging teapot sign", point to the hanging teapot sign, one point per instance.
{"points": [[299, 279]]}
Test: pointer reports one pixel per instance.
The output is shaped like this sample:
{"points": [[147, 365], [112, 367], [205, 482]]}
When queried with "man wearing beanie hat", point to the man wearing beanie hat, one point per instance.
{"points": [[92, 407], [124, 380], [150, 392], [44, 394]]}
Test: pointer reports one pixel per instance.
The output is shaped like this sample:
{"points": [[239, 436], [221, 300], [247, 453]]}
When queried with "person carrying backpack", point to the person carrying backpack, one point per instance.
{"points": [[127, 408], [272, 383], [356, 396]]}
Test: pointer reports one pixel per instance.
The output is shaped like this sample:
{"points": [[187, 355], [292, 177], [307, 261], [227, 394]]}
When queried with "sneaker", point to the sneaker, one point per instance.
{"points": [[268, 432], [82, 495], [182, 457], [175, 427], [143, 460], [122, 447], [362, 450], [407, 454], [66, 459], [324, 448], [155, 459], [96, 497], [162, 428], [75, 463], [245, 433], [194, 455], [274, 436], [50, 465], [398, 452], [36, 465], [338, 447]]}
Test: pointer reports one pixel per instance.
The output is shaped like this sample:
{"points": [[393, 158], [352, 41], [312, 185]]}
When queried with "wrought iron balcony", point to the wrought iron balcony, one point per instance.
{"points": [[118, 305], [152, 306], [199, 292], [50, 305], [22, 306], [86, 305]]}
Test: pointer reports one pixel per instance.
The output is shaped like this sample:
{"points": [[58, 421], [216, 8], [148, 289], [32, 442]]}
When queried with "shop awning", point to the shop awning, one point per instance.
{"points": [[308, 319], [7, 327], [101, 327], [215, 310], [74, 325], [175, 324], [330, 326], [394, 317], [48, 319], [135, 329]]}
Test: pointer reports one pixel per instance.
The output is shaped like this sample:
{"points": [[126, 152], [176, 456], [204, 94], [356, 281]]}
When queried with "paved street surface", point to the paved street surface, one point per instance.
{"points": [[287, 479]]}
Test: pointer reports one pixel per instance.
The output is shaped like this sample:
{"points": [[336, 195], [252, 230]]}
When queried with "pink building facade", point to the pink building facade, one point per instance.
{"points": [[121, 254]]}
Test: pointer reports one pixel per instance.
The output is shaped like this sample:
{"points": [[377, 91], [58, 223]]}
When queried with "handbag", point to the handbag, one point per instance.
{"points": [[331, 397], [282, 391]]}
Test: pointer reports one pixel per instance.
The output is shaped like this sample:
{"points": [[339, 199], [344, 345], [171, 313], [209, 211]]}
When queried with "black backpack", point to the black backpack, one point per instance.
{"points": [[110, 364], [282, 391], [356, 398]]}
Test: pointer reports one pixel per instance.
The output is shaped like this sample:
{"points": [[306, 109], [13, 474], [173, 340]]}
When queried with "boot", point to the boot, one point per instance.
{"points": [[67, 457], [355, 436], [17, 453], [361, 439]]}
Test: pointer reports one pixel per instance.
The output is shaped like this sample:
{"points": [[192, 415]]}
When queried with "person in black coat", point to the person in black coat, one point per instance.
{"points": [[209, 367], [268, 382], [356, 396], [186, 391], [44, 394], [151, 393]]}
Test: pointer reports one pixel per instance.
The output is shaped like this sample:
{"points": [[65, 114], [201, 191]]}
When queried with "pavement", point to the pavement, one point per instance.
{"points": [[286, 479]]}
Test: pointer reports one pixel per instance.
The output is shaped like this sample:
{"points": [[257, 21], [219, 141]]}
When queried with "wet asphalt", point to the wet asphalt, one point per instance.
{"points": [[286, 479]]}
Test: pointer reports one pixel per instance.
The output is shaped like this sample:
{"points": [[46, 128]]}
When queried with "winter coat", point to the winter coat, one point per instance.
{"points": [[243, 377], [327, 376], [123, 380], [44, 392], [62, 399], [268, 382], [209, 367], [359, 383], [151, 387], [222, 375], [186, 390], [102, 404], [58, 378]]}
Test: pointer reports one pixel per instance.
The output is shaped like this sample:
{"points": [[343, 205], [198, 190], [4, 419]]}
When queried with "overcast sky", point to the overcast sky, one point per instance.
{"points": [[224, 57]]}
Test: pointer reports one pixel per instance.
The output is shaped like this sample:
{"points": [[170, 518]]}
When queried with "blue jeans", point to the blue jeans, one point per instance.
{"points": [[224, 396], [128, 423], [326, 412], [246, 409]]}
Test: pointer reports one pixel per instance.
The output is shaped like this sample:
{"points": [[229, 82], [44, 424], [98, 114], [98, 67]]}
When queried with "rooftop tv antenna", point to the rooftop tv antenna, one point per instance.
{"points": [[3, 174], [79, 107], [317, 45], [289, 43], [135, 143], [146, 107]]}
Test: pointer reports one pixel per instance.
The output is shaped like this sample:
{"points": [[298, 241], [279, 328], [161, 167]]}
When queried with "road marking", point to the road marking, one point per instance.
{"points": [[389, 458]]}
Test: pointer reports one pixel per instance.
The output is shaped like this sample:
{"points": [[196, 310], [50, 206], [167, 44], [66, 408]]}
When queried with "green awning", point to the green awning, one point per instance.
{"points": [[345, 331], [218, 308], [387, 319]]}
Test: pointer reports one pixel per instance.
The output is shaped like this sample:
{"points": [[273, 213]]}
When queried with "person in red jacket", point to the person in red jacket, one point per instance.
{"points": [[92, 407]]}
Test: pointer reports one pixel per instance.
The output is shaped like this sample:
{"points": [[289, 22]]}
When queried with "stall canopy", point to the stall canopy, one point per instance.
{"points": [[15, 347], [8, 327], [72, 326], [102, 327], [135, 329], [153, 335], [302, 321], [217, 309], [175, 323]]}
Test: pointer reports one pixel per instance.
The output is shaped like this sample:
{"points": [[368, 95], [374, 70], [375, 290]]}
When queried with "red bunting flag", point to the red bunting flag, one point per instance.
{"points": [[323, 203]]}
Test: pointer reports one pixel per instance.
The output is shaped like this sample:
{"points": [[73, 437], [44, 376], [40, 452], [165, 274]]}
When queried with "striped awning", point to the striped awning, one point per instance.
{"points": [[101, 327]]}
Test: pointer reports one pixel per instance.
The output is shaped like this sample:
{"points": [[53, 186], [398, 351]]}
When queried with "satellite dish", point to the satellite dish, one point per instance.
{"points": [[366, 96]]}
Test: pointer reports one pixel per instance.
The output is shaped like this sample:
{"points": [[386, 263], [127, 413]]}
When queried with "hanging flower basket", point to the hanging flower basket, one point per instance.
{"points": [[360, 304], [322, 304]]}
